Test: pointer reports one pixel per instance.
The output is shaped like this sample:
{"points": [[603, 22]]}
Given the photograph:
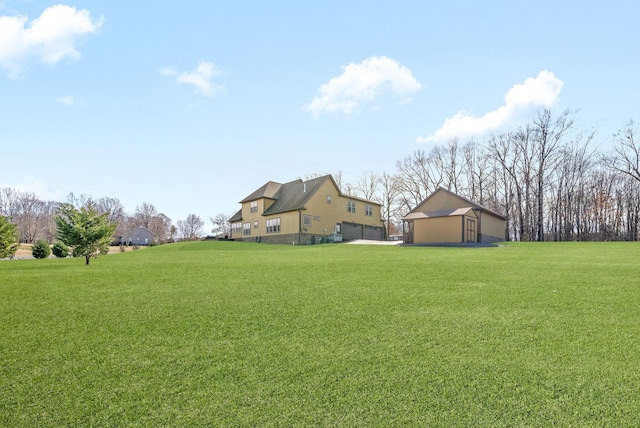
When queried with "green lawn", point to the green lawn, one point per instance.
{"points": [[239, 334]]}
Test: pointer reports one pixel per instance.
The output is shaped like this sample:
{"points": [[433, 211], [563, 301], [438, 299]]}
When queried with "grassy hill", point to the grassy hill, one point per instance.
{"points": [[241, 334]]}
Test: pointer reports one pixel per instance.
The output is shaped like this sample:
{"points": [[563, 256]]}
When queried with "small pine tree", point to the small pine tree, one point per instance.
{"points": [[60, 250], [86, 230], [8, 238], [41, 249]]}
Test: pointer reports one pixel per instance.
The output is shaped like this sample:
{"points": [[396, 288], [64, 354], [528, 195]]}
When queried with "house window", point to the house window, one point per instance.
{"points": [[351, 207], [306, 220], [328, 199], [246, 229], [273, 225], [236, 227], [471, 230], [255, 224], [254, 206], [368, 210]]}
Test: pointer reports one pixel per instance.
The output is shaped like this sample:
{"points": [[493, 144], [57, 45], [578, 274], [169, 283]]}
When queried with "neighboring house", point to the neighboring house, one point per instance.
{"points": [[305, 212], [445, 217], [139, 236]]}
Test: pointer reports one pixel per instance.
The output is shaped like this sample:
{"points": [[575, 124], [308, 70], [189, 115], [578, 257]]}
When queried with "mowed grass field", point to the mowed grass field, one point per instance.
{"points": [[240, 334]]}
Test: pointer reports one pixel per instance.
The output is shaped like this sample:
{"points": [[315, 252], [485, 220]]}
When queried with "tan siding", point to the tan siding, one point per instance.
{"points": [[489, 225], [439, 229], [266, 203], [249, 217], [442, 201], [493, 226], [336, 212], [317, 207], [288, 222], [324, 216]]}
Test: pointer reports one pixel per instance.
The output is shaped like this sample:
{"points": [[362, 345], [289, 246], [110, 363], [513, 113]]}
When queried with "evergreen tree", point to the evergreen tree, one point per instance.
{"points": [[60, 250], [8, 238], [41, 249], [85, 230]]}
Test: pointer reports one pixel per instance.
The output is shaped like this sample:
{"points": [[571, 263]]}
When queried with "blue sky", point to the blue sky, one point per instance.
{"points": [[191, 106]]}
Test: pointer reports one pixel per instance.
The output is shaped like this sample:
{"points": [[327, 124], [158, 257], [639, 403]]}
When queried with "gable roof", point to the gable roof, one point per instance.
{"points": [[268, 190], [236, 217], [139, 229], [439, 213], [472, 204], [291, 196], [294, 195]]}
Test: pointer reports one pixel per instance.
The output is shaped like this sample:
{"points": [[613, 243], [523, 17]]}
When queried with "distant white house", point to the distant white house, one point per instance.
{"points": [[139, 236]]}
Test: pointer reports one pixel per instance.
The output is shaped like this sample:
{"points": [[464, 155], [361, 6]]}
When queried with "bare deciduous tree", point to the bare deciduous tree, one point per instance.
{"points": [[221, 224], [389, 198], [190, 229], [30, 216], [112, 207], [625, 156], [418, 177], [8, 198], [548, 134], [367, 185], [144, 214], [160, 225]]}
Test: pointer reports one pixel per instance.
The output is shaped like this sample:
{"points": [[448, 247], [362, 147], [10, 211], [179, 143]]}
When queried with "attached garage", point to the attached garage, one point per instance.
{"points": [[445, 217], [373, 233], [352, 231]]}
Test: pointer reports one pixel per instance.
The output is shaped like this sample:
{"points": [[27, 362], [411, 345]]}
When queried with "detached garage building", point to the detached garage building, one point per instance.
{"points": [[445, 217]]}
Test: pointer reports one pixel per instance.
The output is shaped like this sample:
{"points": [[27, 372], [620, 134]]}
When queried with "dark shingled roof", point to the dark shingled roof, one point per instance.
{"points": [[266, 191], [294, 195], [236, 217], [291, 196]]}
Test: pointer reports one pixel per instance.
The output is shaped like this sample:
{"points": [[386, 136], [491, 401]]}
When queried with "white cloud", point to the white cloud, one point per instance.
{"points": [[48, 38], [542, 90], [168, 71], [42, 190], [201, 78], [69, 100], [363, 82]]}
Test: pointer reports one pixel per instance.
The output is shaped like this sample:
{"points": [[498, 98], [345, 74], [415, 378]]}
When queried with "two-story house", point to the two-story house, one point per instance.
{"points": [[305, 212]]}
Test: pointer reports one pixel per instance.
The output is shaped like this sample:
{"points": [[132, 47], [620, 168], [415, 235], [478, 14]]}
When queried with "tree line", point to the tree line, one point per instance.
{"points": [[35, 218], [547, 177]]}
